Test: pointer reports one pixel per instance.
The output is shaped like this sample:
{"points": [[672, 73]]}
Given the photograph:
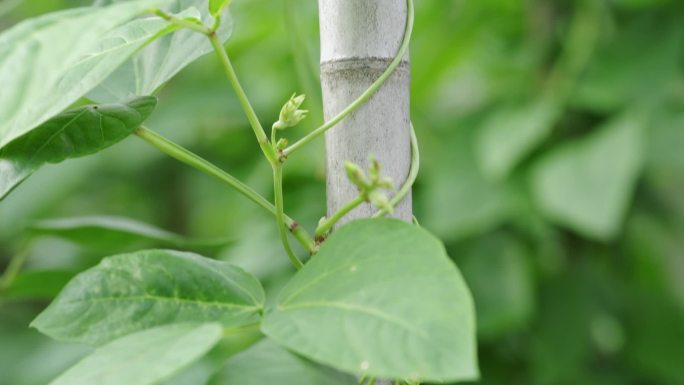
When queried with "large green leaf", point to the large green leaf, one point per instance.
{"points": [[154, 65], [49, 62], [117, 233], [68, 135], [144, 358], [131, 292], [268, 363], [380, 298], [587, 184]]}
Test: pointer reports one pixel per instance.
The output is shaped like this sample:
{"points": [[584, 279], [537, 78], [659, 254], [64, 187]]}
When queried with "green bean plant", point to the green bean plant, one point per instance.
{"points": [[376, 298]]}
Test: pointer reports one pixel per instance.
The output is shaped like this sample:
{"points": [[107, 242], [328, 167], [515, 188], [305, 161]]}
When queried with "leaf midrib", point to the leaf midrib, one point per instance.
{"points": [[358, 309], [142, 298]]}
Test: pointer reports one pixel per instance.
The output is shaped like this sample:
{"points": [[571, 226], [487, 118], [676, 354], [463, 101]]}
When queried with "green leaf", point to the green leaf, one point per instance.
{"points": [[511, 134], [268, 363], [144, 358], [380, 298], [587, 184], [131, 292], [217, 6], [71, 134], [48, 63], [155, 64], [116, 233]]}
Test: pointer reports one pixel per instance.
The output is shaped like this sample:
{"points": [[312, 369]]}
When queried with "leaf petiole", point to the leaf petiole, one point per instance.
{"points": [[183, 22], [280, 216], [266, 148], [193, 160], [328, 224]]}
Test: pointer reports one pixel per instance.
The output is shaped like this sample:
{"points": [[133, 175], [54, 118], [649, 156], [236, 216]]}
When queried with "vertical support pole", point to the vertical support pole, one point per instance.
{"points": [[359, 38]]}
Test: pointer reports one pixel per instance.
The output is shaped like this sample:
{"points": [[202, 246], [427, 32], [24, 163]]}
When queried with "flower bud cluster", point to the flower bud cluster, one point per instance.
{"points": [[371, 186]]}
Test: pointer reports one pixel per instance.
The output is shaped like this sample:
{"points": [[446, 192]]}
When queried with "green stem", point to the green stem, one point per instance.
{"points": [[279, 205], [267, 149], [578, 47], [191, 159], [13, 269], [366, 94], [328, 224], [410, 179], [183, 23]]}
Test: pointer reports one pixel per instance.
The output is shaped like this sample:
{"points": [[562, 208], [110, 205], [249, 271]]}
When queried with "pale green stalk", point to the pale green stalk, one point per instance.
{"points": [[280, 218], [252, 117], [179, 153], [182, 22], [328, 224]]}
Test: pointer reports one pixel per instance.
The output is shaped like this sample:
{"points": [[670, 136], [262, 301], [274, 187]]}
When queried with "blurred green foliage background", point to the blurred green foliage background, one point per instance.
{"points": [[552, 139]]}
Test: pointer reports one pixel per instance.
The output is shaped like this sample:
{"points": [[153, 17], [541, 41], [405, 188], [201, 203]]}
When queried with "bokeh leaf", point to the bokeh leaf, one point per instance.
{"points": [[268, 363], [48, 63], [587, 184], [511, 133], [144, 358], [476, 203], [622, 74], [71, 134], [131, 292], [115, 233], [500, 277], [155, 64], [380, 298]]}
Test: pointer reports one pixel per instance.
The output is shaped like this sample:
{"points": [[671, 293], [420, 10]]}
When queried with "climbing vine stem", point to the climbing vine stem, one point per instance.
{"points": [[410, 179], [366, 94]]}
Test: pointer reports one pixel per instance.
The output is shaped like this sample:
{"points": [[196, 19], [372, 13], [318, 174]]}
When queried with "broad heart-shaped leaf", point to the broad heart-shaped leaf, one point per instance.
{"points": [[131, 292], [71, 134], [144, 358], [117, 233], [380, 298], [268, 363], [154, 65], [48, 63], [586, 185], [510, 134]]}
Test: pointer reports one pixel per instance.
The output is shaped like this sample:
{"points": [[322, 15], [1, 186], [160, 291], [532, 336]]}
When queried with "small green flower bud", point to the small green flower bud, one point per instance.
{"points": [[290, 114], [386, 183], [355, 175], [374, 169], [380, 200]]}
